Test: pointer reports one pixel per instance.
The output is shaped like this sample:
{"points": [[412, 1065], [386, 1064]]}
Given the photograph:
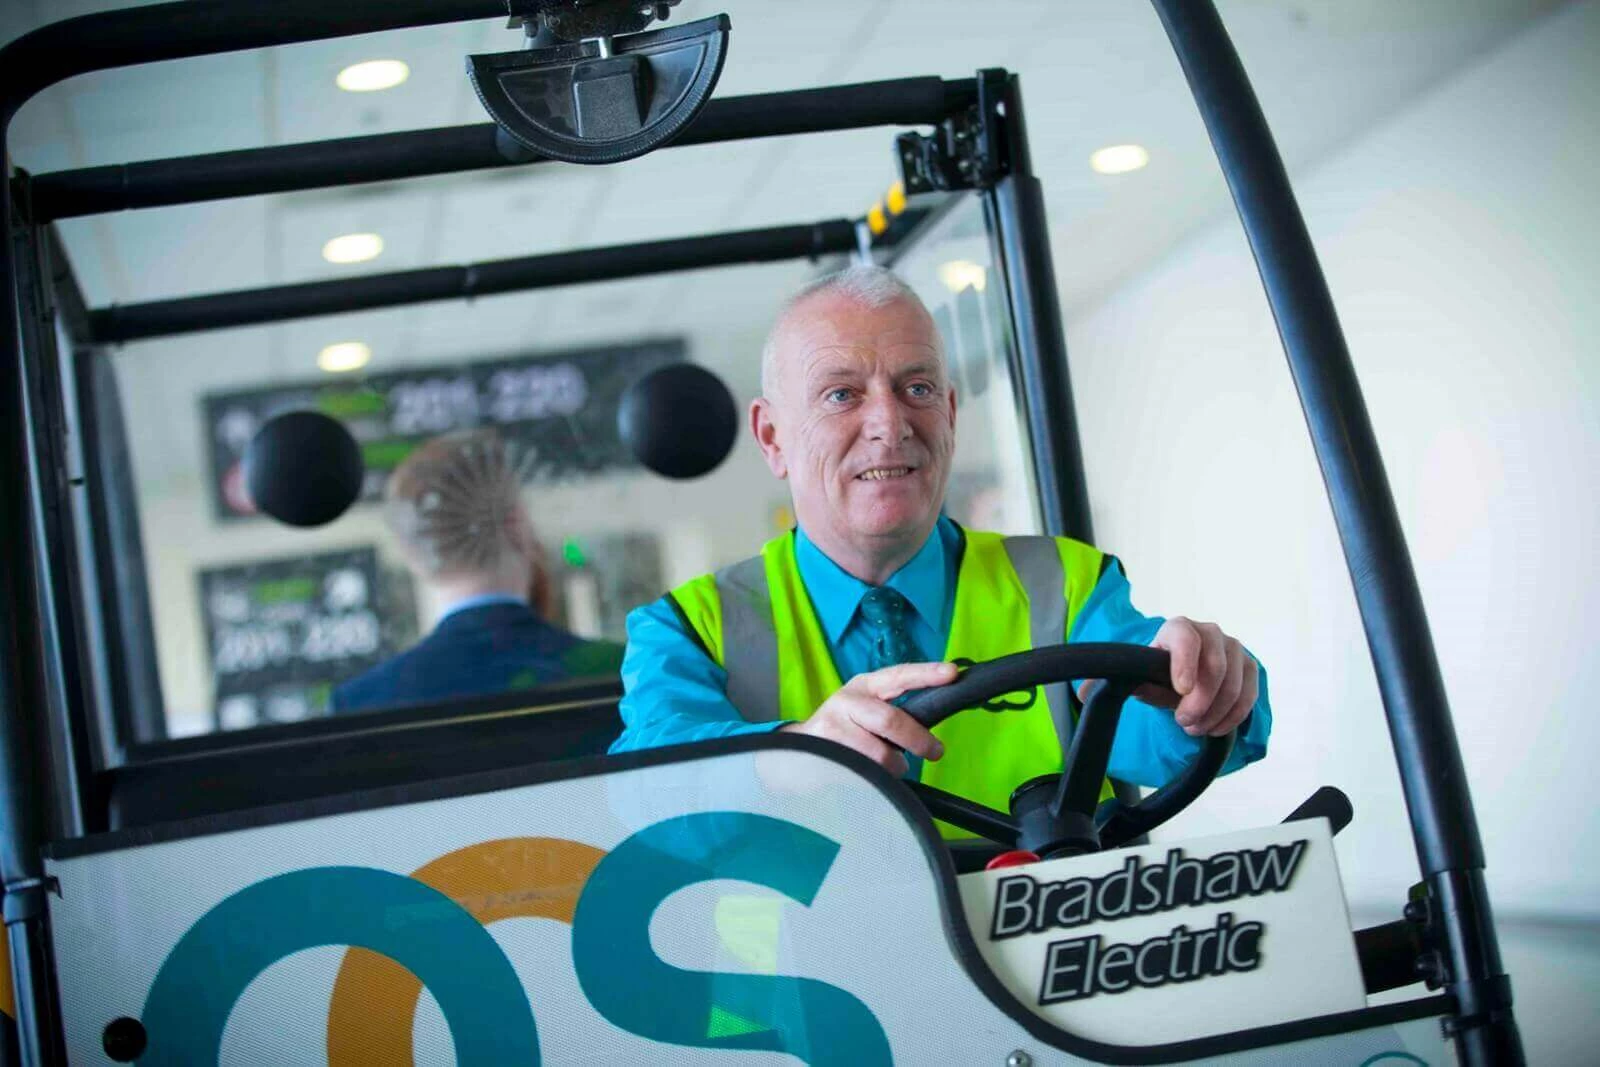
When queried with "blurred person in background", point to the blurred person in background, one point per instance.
{"points": [[455, 506]]}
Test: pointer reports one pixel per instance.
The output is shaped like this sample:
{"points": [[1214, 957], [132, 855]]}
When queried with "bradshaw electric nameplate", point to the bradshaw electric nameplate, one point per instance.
{"points": [[1142, 945]]}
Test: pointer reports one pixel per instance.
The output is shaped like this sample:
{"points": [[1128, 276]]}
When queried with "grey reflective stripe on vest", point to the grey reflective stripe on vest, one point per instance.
{"points": [[749, 639], [1037, 562]]}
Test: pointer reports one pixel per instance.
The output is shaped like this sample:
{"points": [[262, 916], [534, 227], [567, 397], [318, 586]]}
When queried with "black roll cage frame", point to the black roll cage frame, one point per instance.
{"points": [[51, 655]]}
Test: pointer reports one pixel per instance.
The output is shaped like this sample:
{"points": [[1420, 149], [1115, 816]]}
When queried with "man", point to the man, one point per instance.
{"points": [[878, 587], [455, 507]]}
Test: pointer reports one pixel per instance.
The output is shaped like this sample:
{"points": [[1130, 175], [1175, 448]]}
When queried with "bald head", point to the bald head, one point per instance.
{"points": [[862, 285]]}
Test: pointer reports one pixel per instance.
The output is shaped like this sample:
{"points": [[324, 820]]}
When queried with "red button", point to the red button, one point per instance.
{"points": [[1017, 858]]}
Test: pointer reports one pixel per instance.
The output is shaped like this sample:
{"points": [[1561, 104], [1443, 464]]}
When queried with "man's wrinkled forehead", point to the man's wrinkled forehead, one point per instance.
{"points": [[832, 332], [831, 363]]}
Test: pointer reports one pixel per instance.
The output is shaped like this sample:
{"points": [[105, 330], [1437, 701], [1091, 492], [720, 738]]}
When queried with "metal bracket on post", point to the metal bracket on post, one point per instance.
{"points": [[992, 131], [966, 151], [1421, 913], [932, 162], [24, 899]]}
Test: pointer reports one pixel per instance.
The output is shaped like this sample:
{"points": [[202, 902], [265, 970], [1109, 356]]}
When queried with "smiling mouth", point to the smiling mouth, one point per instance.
{"points": [[884, 474]]}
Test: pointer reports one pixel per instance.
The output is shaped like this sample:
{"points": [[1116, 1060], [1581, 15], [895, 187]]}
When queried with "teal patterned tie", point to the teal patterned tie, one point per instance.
{"points": [[889, 616]]}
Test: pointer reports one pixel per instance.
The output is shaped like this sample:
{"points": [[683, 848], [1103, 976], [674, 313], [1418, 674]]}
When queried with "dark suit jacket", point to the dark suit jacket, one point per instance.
{"points": [[478, 652]]}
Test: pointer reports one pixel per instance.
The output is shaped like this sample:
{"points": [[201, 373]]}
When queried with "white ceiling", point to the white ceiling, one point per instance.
{"points": [[1094, 72]]}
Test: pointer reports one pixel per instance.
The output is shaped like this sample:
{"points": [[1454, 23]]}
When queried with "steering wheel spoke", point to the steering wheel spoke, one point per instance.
{"points": [[961, 812]]}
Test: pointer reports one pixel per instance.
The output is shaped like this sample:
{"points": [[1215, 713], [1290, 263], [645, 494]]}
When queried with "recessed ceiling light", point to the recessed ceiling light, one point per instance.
{"points": [[353, 248], [959, 274], [373, 75], [1119, 158], [344, 356]]}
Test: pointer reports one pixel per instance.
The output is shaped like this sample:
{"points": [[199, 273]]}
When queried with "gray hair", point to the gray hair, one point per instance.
{"points": [[451, 502], [865, 284]]}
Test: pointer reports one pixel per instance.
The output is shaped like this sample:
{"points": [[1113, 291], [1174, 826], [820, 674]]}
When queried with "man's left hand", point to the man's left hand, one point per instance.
{"points": [[1214, 680]]}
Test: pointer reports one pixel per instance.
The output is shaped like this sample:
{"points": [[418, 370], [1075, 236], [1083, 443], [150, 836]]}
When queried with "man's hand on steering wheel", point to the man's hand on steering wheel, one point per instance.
{"points": [[1214, 680], [860, 716]]}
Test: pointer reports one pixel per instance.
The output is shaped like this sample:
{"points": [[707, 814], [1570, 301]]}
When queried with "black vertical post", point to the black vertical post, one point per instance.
{"points": [[22, 689], [1017, 203], [56, 641], [1443, 823]]}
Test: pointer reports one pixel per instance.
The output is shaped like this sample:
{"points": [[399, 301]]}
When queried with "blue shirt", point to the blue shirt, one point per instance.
{"points": [[675, 693]]}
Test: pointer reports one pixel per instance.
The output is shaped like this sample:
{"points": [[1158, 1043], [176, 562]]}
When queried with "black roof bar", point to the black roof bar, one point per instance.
{"points": [[125, 38], [245, 307], [1443, 824], [353, 160]]}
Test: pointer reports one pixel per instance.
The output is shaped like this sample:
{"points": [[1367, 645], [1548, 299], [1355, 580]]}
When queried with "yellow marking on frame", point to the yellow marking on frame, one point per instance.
{"points": [[896, 198]]}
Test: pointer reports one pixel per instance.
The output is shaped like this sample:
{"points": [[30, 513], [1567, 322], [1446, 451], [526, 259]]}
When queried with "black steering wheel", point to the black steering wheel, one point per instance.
{"points": [[1060, 815]]}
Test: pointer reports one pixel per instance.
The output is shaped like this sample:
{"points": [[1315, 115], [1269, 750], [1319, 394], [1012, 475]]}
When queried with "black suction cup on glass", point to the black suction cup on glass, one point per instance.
{"points": [[303, 468], [680, 420], [602, 99]]}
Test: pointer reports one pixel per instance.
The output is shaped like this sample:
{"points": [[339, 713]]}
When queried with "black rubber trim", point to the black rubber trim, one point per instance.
{"points": [[244, 779], [940, 864], [1329, 803], [374, 722]]}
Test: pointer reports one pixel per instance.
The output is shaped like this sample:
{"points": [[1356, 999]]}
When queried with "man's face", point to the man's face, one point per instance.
{"points": [[861, 423]]}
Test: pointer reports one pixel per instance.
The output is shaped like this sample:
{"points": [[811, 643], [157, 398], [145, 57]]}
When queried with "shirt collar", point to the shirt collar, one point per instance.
{"points": [[835, 594], [480, 601]]}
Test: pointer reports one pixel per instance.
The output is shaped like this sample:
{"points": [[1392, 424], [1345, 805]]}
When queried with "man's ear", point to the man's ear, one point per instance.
{"points": [[952, 407], [518, 527], [766, 435]]}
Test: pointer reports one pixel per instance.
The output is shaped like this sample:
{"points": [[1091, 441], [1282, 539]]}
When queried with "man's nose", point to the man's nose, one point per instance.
{"points": [[885, 420]]}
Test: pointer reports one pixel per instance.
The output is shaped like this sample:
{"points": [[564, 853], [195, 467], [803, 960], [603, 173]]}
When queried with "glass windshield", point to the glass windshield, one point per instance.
{"points": [[257, 623], [952, 265]]}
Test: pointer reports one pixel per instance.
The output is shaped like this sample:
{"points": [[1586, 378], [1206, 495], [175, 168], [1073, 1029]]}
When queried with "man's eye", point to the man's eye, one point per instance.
{"points": [[920, 390], [838, 396]]}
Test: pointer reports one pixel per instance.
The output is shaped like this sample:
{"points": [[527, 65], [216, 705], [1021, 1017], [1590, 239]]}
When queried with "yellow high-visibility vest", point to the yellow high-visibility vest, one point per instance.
{"points": [[756, 621]]}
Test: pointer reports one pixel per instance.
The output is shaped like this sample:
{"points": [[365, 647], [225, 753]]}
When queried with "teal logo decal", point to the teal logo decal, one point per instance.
{"points": [[633, 988], [478, 990], [417, 926]]}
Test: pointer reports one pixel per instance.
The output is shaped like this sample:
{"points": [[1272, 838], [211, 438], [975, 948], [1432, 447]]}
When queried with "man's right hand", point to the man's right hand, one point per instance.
{"points": [[859, 716]]}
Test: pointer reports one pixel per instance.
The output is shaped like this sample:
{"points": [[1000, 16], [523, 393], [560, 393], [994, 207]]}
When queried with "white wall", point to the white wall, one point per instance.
{"points": [[1461, 239]]}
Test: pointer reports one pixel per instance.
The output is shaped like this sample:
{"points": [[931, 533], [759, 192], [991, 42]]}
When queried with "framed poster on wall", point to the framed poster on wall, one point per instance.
{"points": [[559, 409], [283, 632]]}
